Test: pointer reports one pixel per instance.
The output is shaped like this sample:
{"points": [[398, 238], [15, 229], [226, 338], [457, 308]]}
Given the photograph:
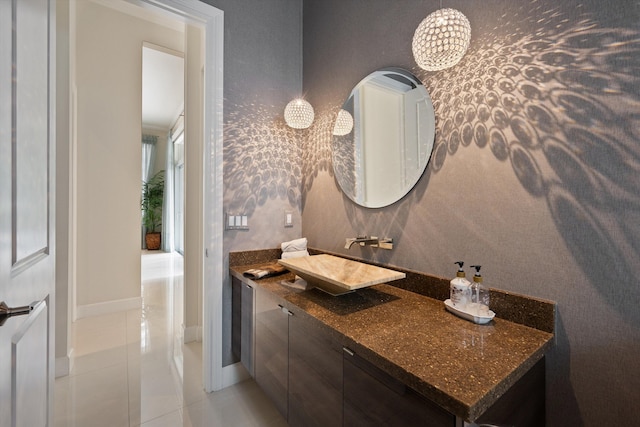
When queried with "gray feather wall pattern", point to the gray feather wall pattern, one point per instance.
{"points": [[560, 101], [538, 129], [262, 159], [557, 97]]}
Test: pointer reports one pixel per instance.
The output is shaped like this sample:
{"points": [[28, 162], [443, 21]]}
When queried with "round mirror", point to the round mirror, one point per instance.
{"points": [[383, 138]]}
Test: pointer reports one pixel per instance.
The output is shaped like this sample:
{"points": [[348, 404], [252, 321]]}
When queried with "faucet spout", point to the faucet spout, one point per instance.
{"points": [[362, 241], [349, 243], [386, 243]]}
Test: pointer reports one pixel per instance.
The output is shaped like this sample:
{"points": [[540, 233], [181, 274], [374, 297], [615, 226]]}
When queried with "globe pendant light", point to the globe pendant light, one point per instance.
{"points": [[298, 114], [344, 123], [441, 39]]}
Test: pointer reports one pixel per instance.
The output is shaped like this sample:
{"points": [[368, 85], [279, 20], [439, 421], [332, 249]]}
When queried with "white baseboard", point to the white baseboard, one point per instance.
{"points": [[89, 310], [64, 365], [192, 333]]}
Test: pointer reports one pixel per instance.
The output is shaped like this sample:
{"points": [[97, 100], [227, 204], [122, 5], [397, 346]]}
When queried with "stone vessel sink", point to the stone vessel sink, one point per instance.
{"points": [[338, 276]]}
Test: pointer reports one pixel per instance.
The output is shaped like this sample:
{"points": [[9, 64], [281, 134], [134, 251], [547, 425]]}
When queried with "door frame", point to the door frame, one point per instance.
{"points": [[211, 19]]}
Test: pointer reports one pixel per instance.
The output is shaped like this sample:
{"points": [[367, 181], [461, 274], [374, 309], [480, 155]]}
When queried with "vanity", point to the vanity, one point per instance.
{"points": [[388, 355]]}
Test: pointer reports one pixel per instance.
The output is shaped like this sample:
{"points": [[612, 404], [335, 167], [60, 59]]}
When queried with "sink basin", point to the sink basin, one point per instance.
{"points": [[338, 276]]}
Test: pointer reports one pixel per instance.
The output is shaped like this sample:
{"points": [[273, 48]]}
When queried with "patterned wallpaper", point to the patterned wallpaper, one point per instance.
{"points": [[535, 171]]}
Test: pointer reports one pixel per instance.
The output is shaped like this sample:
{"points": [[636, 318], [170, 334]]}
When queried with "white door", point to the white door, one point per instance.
{"points": [[27, 153]]}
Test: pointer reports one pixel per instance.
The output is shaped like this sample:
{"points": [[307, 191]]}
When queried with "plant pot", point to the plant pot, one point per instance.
{"points": [[153, 241]]}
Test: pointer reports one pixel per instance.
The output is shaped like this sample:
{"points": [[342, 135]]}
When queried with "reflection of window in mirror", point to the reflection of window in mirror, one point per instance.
{"points": [[380, 121]]}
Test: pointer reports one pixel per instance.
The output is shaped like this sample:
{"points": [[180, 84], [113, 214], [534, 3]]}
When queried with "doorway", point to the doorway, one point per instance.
{"points": [[208, 274], [209, 21], [163, 167]]}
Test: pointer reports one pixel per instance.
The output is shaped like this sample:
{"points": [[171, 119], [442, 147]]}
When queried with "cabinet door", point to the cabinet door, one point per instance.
{"points": [[247, 326], [243, 324], [236, 318], [315, 375], [272, 349], [523, 405], [374, 398]]}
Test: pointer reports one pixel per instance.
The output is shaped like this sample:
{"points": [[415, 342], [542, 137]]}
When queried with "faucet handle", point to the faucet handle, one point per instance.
{"points": [[385, 243]]}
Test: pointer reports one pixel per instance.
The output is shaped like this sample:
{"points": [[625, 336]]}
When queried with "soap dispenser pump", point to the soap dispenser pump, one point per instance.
{"points": [[479, 294], [460, 289]]}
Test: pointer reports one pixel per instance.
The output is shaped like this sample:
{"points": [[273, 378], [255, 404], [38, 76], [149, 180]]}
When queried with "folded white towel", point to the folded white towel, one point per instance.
{"points": [[294, 254], [294, 245]]}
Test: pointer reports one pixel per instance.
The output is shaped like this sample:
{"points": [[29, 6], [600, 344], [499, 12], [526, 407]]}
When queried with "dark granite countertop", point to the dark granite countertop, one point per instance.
{"points": [[461, 366]]}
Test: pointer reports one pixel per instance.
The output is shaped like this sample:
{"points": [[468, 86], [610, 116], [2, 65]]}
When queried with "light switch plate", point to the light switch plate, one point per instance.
{"points": [[234, 221]]}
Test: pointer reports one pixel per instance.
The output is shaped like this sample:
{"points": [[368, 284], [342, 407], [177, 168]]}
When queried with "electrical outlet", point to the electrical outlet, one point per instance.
{"points": [[288, 219]]}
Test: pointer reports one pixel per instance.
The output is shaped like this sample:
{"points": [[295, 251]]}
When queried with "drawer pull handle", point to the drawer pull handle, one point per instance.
{"points": [[284, 310]]}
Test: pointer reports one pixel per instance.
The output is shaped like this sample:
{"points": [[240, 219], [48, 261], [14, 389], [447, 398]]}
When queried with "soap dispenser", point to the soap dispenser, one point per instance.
{"points": [[460, 289], [479, 295]]}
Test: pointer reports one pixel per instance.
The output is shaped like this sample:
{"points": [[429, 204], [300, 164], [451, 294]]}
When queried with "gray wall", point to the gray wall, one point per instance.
{"points": [[262, 162], [543, 191], [262, 73]]}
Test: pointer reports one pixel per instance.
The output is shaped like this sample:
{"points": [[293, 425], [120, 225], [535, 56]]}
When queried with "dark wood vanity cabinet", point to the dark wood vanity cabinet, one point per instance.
{"points": [[315, 375], [272, 348], [374, 398], [301, 365], [330, 385]]}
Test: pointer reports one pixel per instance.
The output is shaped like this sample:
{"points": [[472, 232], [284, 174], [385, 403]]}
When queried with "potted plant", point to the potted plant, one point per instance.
{"points": [[151, 204]]}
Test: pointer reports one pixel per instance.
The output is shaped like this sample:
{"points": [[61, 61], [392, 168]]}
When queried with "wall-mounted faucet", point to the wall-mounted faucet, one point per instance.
{"points": [[386, 243]]}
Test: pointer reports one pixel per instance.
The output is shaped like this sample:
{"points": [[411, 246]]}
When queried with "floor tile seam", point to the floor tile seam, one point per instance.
{"points": [[162, 414], [96, 369], [129, 385], [96, 351], [179, 411]]}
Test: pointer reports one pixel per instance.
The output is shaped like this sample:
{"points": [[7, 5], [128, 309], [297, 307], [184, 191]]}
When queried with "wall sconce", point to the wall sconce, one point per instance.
{"points": [[298, 114], [344, 123], [441, 39]]}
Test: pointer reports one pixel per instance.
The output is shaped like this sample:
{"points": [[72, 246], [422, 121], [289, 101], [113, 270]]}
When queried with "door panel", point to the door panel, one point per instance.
{"points": [[27, 194], [30, 130], [29, 385]]}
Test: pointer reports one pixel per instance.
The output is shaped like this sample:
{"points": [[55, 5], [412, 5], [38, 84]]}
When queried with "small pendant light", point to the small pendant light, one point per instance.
{"points": [[298, 114], [344, 123]]}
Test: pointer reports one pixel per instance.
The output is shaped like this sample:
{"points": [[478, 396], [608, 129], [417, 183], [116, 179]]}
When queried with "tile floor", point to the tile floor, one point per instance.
{"points": [[127, 372]]}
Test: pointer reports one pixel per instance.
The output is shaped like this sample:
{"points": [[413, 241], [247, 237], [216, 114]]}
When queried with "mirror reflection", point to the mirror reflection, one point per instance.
{"points": [[383, 137]]}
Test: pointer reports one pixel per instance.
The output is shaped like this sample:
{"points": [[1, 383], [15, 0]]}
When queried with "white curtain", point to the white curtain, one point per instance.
{"points": [[148, 155], [168, 204]]}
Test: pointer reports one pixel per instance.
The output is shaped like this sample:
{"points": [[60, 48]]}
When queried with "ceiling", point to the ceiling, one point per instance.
{"points": [[162, 88], [162, 68]]}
